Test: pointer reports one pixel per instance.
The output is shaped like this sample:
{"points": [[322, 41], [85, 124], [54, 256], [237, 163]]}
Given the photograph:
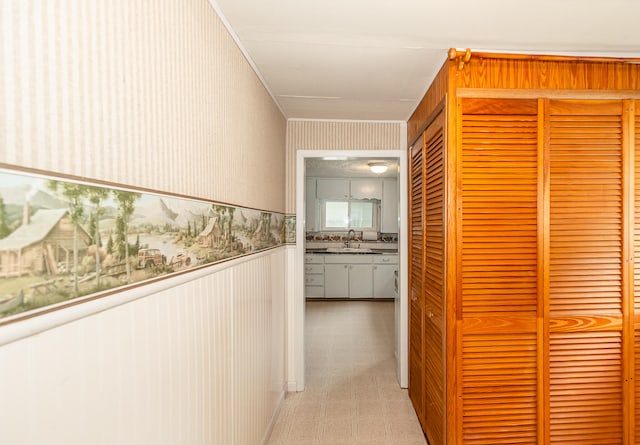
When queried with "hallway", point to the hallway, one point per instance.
{"points": [[352, 395]]}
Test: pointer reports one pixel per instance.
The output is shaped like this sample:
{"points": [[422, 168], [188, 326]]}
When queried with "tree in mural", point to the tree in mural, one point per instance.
{"points": [[74, 195], [96, 196], [225, 220], [4, 227], [110, 248], [126, 206]]}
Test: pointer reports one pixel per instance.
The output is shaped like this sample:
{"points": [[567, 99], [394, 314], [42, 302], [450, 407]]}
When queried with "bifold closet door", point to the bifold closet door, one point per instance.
{"points": [[416, 272], [585, 301], [434, 281], [499, 296], [636, 301]]}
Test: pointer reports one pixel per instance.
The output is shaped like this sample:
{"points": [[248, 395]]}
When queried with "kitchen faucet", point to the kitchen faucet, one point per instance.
{"points": [[349, 237]]}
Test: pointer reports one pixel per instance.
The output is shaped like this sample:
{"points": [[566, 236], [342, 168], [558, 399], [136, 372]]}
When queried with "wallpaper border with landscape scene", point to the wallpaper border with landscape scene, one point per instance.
{"points": [[66, 240]]}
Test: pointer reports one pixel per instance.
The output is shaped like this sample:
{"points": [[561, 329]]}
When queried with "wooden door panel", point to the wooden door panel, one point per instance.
{"points": [[416, 272], [585, 301], [500, 387], [636, 271], [498, 373], [434, 281], [586, 388]]}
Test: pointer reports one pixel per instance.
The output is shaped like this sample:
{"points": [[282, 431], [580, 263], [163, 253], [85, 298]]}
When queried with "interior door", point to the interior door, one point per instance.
{"points": [[416, 272], [498, 263], [586, 270], [434, 281]]}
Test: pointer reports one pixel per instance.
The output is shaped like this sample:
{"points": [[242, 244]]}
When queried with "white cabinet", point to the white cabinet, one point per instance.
{"points": [[360, 280], [311, 205], [348, 276], [389, 206], [314, 276], [341, 188], [336, 281], [366, 189], [332, 188], [384, 267]]}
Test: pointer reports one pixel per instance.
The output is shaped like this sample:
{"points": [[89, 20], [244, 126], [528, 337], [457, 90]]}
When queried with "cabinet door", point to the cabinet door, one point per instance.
{"points": [[311, 222], [384, 280], [366, 189], [389, 223], [360, 281], [332, 188], [336, 280]]}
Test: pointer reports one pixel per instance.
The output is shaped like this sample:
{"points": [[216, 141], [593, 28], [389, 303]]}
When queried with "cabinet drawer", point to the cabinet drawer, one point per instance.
{"points": [[348, 259], [314, 291], [314, 259], [313, 268], [314, 280], [385, 259]]}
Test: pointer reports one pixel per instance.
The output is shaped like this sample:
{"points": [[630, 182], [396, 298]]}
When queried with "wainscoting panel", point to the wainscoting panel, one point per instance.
{"points": [[201, 363]]}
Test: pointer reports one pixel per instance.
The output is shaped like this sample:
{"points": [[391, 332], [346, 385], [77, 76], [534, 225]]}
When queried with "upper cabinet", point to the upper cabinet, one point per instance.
{"points": [[349, 188], [366, 189], [311, 205], [389, 211], [332, 188]]}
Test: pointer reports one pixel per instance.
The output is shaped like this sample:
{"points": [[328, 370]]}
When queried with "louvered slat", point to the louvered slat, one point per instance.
{"points": [[434, 279], [586, 388], [585, 272], [416, 230], [499, 263], [500, 389]]}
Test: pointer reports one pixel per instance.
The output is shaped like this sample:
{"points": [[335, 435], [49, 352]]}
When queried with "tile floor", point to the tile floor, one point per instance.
{"points": [[352, 395]]}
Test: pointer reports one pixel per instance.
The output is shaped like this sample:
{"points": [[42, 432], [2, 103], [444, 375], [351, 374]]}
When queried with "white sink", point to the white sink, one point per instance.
{"points": [[347, 250]]}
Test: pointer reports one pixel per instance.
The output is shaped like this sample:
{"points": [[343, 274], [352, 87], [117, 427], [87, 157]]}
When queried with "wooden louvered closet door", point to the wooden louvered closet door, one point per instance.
{"points": [[434, 281], [416, 272], [585, 301], [498, 295], [636, 284]]}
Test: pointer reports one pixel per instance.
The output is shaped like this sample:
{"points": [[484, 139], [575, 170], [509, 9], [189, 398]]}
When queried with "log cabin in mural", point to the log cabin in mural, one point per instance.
{"points": [[43, 244]]}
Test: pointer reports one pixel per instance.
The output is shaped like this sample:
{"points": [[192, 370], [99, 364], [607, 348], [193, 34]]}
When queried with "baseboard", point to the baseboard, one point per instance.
{"points": [[292, 386], [274, 418]]}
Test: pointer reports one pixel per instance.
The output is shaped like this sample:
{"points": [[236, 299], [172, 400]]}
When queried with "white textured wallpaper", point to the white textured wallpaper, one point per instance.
{"points": [[145, 93]]}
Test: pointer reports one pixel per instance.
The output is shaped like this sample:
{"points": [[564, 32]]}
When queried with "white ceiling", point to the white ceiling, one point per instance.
{"points": [[374, 59]]}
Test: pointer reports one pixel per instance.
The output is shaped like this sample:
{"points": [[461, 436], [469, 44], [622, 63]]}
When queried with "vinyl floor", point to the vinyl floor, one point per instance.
{"points": [[351, 395]]}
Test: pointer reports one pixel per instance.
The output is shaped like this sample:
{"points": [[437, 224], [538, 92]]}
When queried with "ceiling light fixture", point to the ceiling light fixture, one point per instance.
{"points": [[378, 167]]}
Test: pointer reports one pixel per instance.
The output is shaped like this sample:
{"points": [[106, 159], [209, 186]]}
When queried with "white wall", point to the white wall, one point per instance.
{"points": [[156, 95]]}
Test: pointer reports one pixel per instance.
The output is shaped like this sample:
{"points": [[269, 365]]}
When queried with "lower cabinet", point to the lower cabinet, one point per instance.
{"points": [[314, 276], [360, 280], [350, 276], [336, 281], [384, 268]]}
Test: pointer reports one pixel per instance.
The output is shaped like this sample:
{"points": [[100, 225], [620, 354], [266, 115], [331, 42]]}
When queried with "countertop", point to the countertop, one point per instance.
{"points": [[372, 252]]}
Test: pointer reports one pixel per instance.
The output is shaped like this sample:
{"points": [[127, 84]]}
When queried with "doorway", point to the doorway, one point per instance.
{"points": [[296, 334]]}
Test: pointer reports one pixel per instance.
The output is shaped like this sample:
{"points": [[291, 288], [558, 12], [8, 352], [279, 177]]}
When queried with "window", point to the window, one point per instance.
{"points": [[348, 214]]}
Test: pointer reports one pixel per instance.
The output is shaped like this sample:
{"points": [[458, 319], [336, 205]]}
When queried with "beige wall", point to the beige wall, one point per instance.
{"points": [[336, 135], [152, 94], [146, 93]]}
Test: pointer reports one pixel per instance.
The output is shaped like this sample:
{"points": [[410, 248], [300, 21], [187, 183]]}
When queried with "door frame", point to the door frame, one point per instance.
{"points": [[297, 319]]}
